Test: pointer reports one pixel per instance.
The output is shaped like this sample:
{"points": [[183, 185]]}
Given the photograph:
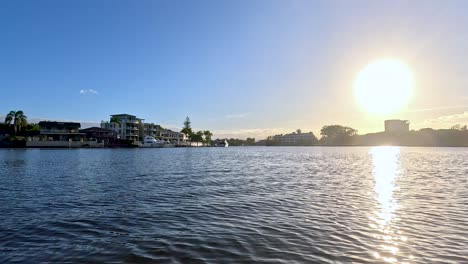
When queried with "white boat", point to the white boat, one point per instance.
{"points": [[151, 142]]}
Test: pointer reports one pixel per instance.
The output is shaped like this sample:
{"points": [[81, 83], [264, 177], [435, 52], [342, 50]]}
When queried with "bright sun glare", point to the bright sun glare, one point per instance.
{"points": [[384, 86]]}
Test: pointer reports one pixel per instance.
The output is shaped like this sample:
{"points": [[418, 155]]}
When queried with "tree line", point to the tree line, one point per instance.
{"points": [[338, 135]]}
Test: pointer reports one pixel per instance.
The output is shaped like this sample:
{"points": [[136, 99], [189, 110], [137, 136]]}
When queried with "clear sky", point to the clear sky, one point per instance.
{"points": [[238, 68]]}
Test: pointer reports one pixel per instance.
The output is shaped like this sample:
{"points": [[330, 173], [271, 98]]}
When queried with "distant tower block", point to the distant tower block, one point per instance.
{"points": [[396, 126]]}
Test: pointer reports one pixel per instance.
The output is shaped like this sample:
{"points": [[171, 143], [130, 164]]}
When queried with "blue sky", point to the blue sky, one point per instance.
{"points": [[238, 68]]}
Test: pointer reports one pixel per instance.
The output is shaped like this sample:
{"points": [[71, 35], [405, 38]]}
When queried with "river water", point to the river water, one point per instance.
{"points": [[234, 205]]}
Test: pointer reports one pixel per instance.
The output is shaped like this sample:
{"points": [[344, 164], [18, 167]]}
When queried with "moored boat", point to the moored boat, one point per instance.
{"points": [[221, 143], [151, 142]]}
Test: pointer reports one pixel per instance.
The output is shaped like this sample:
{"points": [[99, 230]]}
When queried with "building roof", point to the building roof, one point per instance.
{"points": [[56, 123], [96, 129], [124, 115]]}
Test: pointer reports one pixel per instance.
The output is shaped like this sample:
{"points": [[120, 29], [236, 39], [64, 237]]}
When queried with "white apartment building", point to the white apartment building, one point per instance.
{"points": [[173, 136], [126, 126], [150, 129], [295, 139]]}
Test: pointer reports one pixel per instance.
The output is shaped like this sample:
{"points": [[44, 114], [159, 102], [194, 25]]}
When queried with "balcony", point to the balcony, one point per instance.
{"points": [[132, 121]]}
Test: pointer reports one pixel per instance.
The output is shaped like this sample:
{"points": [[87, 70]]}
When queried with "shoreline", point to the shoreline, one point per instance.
{"points": [[316, 146]]}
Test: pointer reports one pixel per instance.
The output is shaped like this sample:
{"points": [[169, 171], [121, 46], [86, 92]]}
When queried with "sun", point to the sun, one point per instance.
{"points": [[384, 86]]}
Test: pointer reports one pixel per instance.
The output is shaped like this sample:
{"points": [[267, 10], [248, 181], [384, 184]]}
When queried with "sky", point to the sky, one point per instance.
{"points": [[238, 68]]}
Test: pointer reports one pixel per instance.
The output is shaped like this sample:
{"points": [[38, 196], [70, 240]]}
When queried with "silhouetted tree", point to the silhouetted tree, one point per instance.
{"points": [[250, 142], [459, 127], [337, 135]]}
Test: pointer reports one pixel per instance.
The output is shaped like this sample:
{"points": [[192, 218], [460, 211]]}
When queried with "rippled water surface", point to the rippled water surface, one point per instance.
{"points": [[234, 205]]}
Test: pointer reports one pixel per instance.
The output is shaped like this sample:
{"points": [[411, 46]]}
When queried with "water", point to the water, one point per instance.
{"points": [[234, 205]]}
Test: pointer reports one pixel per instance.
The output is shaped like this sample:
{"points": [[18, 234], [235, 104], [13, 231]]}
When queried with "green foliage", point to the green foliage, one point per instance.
{"points": [[187, 123], [208, 136], [241, 142], [249, 142], [115, 120], [188, 132], [18, 118], [30, 130], [337, 135], [197, 137], [187, 129]]}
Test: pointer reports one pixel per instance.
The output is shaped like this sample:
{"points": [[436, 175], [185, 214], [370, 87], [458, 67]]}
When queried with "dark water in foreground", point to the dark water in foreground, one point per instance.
{"points": [[234, 205]]}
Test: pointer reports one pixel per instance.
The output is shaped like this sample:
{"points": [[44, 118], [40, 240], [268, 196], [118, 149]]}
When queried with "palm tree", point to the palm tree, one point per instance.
{"points": [[18, 118], [115, 120]]}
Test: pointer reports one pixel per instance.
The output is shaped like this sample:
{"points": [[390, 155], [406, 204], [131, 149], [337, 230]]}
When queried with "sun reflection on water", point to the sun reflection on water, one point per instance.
{"points": [[386, 168]]}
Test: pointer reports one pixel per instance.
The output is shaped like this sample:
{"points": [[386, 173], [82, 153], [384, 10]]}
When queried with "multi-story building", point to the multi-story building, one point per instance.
{"points": [[60, 131], [125, 125], [150, 129], [396, 126], [60, 135], [132, 128], [100, 134], [294, 139], [168, 134]]}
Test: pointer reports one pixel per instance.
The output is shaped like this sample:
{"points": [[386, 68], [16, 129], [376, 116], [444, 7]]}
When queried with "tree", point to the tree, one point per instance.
{"points": [[187, 129], [208, 136], [32, 130], [459, 127], [299, 131], [18, 118], [115, 120], [337, 135], [250, 141], [188, 123], [197, 137]]}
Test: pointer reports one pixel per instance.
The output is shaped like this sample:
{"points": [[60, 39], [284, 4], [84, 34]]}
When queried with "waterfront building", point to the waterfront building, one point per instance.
{"points": [[100, 134], [172, 136], [295, 139], [158, 132], [60, 135], [128, 126], [60, 131], [396, 126], [150, 129]]}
